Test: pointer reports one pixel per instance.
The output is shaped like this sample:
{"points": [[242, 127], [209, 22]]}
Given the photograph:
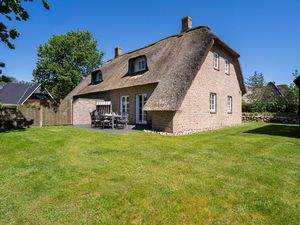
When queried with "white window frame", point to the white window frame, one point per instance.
{"points": [[137, 112], [229, 104], [139, 65], [212, 102], [142, 65], [227, 66], [216, 60], [124, 99]]}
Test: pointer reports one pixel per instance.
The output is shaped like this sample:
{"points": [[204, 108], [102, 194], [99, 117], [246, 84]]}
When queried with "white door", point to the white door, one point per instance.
{"points": [[141, 115], [124, 105]]}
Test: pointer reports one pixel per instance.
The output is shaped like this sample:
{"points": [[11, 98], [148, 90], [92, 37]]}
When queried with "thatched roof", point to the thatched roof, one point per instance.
{"points": [[173, 63]]}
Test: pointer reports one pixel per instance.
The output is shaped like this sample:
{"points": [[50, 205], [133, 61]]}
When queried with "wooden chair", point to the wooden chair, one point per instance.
{"points": [[121, 122], [105, 121]]}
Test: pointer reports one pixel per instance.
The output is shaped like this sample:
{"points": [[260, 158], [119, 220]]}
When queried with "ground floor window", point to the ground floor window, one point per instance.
{"points": [[229, 104], [141, 115], [213, 102], [124, 105]]}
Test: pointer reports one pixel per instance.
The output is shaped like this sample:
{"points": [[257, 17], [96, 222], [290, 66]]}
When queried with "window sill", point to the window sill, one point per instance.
{"points": [[95, 83], [138, 72], [213, 112], [216, 69]]}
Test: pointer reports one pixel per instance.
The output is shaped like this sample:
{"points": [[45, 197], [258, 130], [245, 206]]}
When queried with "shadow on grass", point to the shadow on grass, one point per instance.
{"points": [[277, 130], [12, 130]]}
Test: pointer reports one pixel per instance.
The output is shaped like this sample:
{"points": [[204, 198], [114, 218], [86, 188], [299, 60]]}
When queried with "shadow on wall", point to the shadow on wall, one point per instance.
{"points": [[12, 118], [277, 130]]}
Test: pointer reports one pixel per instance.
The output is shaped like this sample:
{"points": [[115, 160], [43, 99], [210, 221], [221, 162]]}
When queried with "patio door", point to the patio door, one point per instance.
{"points": [[124, 105], [141, 115]]}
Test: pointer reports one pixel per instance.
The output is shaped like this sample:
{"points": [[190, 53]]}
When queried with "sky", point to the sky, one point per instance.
{"points": [[266, 33]]}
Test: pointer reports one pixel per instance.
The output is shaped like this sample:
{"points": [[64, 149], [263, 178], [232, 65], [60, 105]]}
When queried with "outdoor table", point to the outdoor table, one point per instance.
{"points": [[112, 116]]}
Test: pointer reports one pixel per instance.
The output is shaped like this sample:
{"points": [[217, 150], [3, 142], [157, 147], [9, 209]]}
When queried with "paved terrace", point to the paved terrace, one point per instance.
{"points": [[127, 130]]}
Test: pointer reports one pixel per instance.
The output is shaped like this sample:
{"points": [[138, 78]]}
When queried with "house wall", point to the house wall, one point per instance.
{"points": [[163, 121], [81, 110], [83, 105], [194, 113], [32, 101]]}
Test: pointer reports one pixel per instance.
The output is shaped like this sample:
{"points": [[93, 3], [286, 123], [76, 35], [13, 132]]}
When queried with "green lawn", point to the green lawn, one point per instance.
{"points": [[61, 175]]}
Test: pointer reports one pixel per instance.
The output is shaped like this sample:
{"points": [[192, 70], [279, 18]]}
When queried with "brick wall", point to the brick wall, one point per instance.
{"points": [[194, 112], [81, 110], [162, 121], [85, 104]]}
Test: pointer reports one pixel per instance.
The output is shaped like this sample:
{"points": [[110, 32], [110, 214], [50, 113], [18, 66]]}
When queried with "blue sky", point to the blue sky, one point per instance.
{"points": [[265, 33]]}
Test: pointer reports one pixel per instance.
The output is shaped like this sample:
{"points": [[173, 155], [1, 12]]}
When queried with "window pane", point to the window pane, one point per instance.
{"points": [[212, 102], [229, 104]]}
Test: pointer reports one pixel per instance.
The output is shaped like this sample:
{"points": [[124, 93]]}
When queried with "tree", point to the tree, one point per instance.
{"points": [[65, 60], [255, 84], [6, 79], [291, 96], [13, 9], [257, 80], [2, 65]]}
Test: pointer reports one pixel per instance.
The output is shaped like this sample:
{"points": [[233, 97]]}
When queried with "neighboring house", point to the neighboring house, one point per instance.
{"points": [[269, 91], [19, 94], [188, 81]]}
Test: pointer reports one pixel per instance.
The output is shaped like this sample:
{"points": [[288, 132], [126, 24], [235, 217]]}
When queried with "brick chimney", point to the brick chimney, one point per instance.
{"points": [[186, 24], [118, 52]]}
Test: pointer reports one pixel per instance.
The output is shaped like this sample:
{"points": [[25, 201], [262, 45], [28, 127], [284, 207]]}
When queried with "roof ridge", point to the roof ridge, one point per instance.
{"points": [[149, 45]]}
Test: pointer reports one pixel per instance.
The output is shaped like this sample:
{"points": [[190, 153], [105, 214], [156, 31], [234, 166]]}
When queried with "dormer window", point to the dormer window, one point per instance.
{"points": [[96, 77], [137, 65], [141, 65]]}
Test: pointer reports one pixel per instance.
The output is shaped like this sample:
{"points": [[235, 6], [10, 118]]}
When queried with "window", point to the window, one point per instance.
{"points": [[141, 115], [124, 105], [229, 104], [137, 65], [216, 61], [227, 66], [213, 102], [96, 77], [141, 65]]}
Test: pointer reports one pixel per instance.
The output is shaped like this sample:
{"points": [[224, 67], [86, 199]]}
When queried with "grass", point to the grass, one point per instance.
{"points": [[61, 175]]}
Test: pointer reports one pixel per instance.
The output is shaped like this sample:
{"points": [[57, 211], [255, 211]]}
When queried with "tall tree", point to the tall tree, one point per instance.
{"points": [[257, 80], [255, 84], [13, 10], [65, 60]]}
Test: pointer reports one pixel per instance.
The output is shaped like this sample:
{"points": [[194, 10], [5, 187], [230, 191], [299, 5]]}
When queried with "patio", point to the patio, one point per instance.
{"points": [[129, 129]]}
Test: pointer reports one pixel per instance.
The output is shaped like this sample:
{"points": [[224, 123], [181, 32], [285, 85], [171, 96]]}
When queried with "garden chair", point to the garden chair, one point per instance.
{"points": [[105, 121]]}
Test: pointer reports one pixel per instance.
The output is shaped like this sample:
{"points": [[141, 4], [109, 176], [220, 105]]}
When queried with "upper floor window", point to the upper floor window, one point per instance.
{"points": [[229, 104], [227, 66], [213, 102], [137, 65], [96, 77], [216, 61]]}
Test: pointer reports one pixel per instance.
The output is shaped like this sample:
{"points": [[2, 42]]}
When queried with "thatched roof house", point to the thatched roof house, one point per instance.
{"points": [[270, 91], [156, 80]]}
